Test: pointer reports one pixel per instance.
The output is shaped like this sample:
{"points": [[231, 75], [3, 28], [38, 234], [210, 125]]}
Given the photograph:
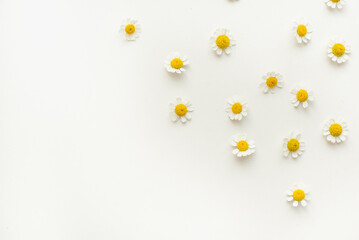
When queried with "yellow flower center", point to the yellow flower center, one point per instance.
{"points": [[298, 195], [242, 146], [302, 95], [335, 129], [237, 108], [293, 145], [335, 1], [223, 41], [130, 29], [181, 110], [176, 63], [338, 49], [302, 30], [272, 82]]}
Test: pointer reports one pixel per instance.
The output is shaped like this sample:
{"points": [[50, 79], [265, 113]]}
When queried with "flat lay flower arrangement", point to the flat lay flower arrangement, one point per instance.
{"points": [[221, 41]]}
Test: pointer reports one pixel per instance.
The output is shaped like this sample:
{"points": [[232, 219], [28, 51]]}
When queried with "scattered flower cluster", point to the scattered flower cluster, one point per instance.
{"points": [[222, 41]]}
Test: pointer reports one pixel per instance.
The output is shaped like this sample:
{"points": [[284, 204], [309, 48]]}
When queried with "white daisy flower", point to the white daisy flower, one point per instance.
{"points": [[222, 40], [301, 96], [175, 63], [338, 51], [302, 31], [181, 109], [271, 81], [293, 145], [236, 108], [335, 3], [335, 131], [243, 147], [297, 194], [131, 29]]}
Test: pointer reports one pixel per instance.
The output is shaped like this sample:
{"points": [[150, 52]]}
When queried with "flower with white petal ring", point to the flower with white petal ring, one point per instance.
{"points": [[181, 109], [130, 28], [302, 31], [297, 194], [236, 108], [335, 131], [222, 41], [338, 51], [301, 95], [271, 81], [175, 63], [293, 145], [242, 147]]}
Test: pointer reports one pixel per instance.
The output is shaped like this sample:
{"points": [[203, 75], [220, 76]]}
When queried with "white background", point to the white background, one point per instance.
{"points": [[87, 150]]}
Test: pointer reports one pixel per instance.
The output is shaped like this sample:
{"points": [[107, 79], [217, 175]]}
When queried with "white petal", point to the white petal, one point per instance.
{"points": [[190, 109], [188, 116], [330, 138], [286, 153], [238, 117], [240, 154], [305, 104], [174, 117], [227, 50], [266, 88], [183, 119]]}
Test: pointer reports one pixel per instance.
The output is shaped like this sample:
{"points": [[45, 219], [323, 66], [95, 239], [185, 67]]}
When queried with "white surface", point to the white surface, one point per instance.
{"points": [[87, 150]]}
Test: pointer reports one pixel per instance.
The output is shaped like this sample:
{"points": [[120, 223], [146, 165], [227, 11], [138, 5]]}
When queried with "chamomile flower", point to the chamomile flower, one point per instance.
{"points": [[335, 3], [222, 41], [175, 63], [131, 29], [293, 145], [302, 31], [271, 81], [181, 109], [335, 131], [301, 96], [297, 194], [338, 51], [236, 108], [242, 147]]}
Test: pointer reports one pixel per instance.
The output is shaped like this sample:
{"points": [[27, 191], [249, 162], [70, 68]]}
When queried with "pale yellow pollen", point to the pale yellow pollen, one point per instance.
{"points": [[335, 130], [298, 195], [293, 145], [181, 110], [302, 30], [176, 63], [237, 108], [338, 49], [130, 29], [302, 95], [223, 41], [272, 82], [242, 146]]}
